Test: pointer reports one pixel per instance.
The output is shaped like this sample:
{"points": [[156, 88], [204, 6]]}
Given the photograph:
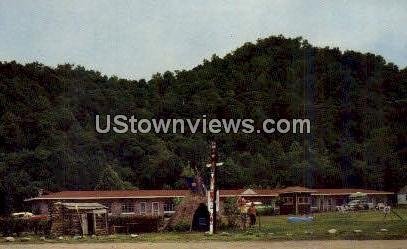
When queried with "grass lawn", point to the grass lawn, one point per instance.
{"points": [[278, 228], [370, 222]]}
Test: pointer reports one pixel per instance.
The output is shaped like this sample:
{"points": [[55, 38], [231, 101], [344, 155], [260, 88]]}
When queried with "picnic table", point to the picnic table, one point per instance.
{"points": [[116, 228], [131, 225]]}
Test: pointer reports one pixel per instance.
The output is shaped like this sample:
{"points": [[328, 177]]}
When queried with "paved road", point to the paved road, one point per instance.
{"points": [[336, 244]]}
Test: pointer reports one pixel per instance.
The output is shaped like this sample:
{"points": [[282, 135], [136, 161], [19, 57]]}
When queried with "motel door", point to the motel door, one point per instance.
{"points": [[84, 224]]}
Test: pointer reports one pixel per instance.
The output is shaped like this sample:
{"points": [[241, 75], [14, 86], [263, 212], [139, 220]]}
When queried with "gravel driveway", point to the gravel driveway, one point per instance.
{"points": [[335, 244]]}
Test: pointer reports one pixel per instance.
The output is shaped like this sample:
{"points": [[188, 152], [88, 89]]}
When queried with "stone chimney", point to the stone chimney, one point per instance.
{"points": [[57, 219]]}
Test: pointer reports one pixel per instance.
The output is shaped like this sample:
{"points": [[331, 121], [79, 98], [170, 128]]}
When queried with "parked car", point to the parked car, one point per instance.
{"points": [[371, 205], [356, 205], [380, 206], [342, 208], [22, 215], [314, 209]]}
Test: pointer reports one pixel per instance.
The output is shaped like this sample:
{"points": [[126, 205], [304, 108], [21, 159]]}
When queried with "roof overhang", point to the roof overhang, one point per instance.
{"points": [[83, 206], [101, 197], [349, 193], [257, 195]]}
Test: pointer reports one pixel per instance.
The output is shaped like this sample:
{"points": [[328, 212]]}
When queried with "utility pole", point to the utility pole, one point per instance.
{"points": [[213, 190]]}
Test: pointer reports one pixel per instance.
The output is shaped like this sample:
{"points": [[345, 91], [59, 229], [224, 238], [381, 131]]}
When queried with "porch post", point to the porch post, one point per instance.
{"points": [[296, 204]]}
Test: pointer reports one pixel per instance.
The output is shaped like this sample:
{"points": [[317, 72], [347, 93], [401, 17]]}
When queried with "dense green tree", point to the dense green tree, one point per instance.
{"points": [[110, 180], [356, 104]]}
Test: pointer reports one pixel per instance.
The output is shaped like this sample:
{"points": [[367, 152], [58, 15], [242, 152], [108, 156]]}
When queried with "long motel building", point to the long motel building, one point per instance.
{"points": [[290, 200]]}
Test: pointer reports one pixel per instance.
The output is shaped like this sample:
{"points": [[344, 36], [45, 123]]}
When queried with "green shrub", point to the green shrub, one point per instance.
{"points": [[223, 224], [182, 226], [6, 226], [42, 227], [9, 226], [265, 210], [231, 211]]}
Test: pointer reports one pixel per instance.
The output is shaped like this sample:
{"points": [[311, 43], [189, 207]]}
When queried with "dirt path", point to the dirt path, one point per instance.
{"points": [[336, 244]]}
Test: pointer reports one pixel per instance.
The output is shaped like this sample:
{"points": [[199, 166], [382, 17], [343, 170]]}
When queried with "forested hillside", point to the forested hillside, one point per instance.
{"points": [[357, 104]]}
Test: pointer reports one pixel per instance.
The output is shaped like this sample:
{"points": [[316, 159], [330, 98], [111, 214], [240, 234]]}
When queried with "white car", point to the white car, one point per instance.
{"points": [[358, 205], [22, 215], [380, 206]]}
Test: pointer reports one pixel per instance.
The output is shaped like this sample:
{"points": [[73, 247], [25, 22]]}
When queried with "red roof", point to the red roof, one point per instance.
{"points": [[114, 194], [247, 192], [295, 189], [144, 194], [348, 191]]}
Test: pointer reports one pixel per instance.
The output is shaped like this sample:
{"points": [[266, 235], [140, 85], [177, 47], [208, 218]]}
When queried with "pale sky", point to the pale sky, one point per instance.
{"points": [[134, 39]]}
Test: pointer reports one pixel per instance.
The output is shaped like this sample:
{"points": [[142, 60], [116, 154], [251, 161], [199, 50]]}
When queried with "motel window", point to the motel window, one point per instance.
{"points": [[267, 202], [314, 201], [127, 207], [169, 207], [142, 208], [303, 200], [108, 205], [36, 209], [156, 208], [288, 200]]}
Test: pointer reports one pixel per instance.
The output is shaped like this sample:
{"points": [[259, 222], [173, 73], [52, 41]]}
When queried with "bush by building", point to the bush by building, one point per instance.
{"points": [[135, 223], [265, 210], [231, 211], [39, 225], [182, 226]]}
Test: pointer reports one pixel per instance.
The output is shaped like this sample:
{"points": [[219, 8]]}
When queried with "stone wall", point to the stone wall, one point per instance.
{"points": [[101, 224], [73, 225], [69, 221], [57, 219]]}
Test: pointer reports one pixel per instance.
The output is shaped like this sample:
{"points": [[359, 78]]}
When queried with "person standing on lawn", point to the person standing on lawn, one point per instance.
{"points": [[252, 214], [241, 202]]}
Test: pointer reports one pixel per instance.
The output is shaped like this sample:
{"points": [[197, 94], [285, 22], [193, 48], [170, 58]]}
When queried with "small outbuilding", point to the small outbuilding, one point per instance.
{"points": [[193, 211], [295, 200], [402, 196], [79, 219]]}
